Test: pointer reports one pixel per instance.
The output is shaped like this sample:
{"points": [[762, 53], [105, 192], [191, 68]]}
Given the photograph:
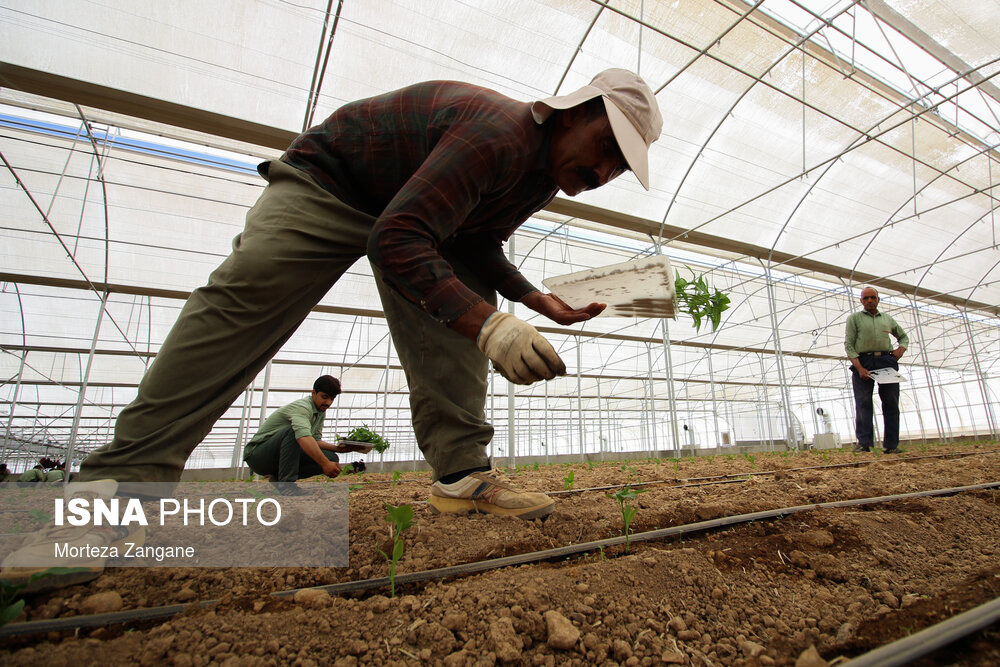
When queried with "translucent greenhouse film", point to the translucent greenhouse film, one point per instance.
{"points": [[809, 149]]}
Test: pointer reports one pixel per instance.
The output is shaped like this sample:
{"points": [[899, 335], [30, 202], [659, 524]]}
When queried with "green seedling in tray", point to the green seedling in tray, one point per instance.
{"points": [[363, 434], [696, 299]]}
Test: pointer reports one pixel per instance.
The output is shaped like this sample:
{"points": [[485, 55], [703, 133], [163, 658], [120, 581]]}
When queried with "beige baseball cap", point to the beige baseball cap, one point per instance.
{"points": [[632, 109]]}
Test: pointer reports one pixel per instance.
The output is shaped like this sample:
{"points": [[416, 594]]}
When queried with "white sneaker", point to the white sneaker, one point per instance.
{"points": [[38, 554], [488, 493]]}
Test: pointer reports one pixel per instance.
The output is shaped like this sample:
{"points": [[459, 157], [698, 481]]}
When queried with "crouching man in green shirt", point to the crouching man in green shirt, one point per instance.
{"points": [[289, 444]]}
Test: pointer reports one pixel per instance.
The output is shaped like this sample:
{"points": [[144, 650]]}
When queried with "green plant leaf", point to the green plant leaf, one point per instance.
{"points": [[364, 434], [628, 513], [55, 570], [401, 516], [397, 550], [695, 297], [10, 612]]}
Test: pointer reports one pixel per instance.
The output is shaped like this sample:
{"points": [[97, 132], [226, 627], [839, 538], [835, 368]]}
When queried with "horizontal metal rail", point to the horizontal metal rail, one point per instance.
{"points": [[156, 613]]}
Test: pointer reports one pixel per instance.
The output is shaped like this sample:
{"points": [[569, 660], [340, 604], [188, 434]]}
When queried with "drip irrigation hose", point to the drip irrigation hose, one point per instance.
{"points": [[904, 651], [853, 464], [743, 476], [156, 613]]}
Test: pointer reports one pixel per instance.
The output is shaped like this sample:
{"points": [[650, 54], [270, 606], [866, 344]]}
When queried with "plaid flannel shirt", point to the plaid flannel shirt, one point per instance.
{"points": [[442, 166]]}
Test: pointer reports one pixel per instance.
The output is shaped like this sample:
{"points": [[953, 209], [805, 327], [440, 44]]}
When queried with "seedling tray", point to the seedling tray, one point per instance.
{"points": [[359, 447], [640, 288]]}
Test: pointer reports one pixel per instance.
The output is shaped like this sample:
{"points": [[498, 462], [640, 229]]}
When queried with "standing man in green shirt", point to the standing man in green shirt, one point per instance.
{"points": [[290, 446], [869, 348]]}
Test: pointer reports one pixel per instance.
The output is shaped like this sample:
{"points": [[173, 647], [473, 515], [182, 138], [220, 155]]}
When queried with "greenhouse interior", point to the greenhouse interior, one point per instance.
{"points": [[810, 148]]}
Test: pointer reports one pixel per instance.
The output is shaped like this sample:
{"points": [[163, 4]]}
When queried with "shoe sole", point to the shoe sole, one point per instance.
{"points": [[87, 571], [441, 505]]}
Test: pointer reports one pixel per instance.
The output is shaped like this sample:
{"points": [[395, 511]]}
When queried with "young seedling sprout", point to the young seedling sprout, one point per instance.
{"points": [[568, 481], [624, 496], [400, 517]]}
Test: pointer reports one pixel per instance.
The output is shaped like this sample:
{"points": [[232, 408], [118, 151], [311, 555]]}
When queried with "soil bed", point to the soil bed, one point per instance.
{"points": [[811, 588]]}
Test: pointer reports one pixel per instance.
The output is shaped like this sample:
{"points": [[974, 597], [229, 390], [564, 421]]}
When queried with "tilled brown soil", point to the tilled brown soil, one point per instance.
{"points": [[811, 588]]}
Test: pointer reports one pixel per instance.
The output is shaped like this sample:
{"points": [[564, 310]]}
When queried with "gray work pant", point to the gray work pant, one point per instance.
{"points": [[298, 241], [282, 457]]}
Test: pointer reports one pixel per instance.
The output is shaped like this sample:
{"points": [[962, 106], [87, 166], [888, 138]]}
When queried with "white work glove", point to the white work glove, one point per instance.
{"points": [[518, 351]]}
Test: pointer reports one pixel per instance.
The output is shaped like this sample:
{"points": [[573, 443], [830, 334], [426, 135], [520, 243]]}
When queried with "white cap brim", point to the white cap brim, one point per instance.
{"points": [[631, 143]]}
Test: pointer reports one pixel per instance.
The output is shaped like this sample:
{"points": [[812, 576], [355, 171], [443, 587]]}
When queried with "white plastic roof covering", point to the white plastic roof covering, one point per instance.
{"points": [[809, 148]]}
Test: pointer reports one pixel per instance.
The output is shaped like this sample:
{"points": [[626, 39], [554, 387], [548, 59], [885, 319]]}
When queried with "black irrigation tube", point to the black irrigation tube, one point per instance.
{"points": [[702, 481], [743, 476], [156, 613], [903, 651]]}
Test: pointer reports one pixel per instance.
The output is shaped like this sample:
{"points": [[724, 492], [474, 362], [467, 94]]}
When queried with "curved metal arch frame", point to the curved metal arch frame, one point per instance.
{"points": [[865, 136]]}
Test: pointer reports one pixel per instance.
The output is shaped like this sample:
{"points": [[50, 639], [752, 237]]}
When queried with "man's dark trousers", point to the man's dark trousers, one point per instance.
{"points": [[281, 457], [864, 407]]}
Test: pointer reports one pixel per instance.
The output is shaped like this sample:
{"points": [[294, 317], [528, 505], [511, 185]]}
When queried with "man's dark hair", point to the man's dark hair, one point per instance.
{"points": [[327, 384]]}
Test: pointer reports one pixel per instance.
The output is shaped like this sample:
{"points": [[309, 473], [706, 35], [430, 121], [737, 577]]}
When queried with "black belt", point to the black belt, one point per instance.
{"points": [[871, 354]]}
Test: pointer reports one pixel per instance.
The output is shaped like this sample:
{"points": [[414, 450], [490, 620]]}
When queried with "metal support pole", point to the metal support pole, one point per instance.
{"points": [[650, 410], [13, 406], [671, 398], [238, 445], [968, 404], [600, 423], [81, 396], [262, 413], [778, 356], [510, 385], [767, 405], [760, 417], [927, 370], [852, 411], [920, 418], [812, 400], [945, 411], [510, 424], [715, 409], [732, 424], [385, 411], [527, 440], [547, 442], [579, 394], [493, 409], [263, 396], [17, 387], [981, 381]]}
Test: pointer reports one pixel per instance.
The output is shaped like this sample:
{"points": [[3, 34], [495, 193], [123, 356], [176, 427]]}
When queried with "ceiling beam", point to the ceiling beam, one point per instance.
{"points": [[97, 96], [906, 28]]}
